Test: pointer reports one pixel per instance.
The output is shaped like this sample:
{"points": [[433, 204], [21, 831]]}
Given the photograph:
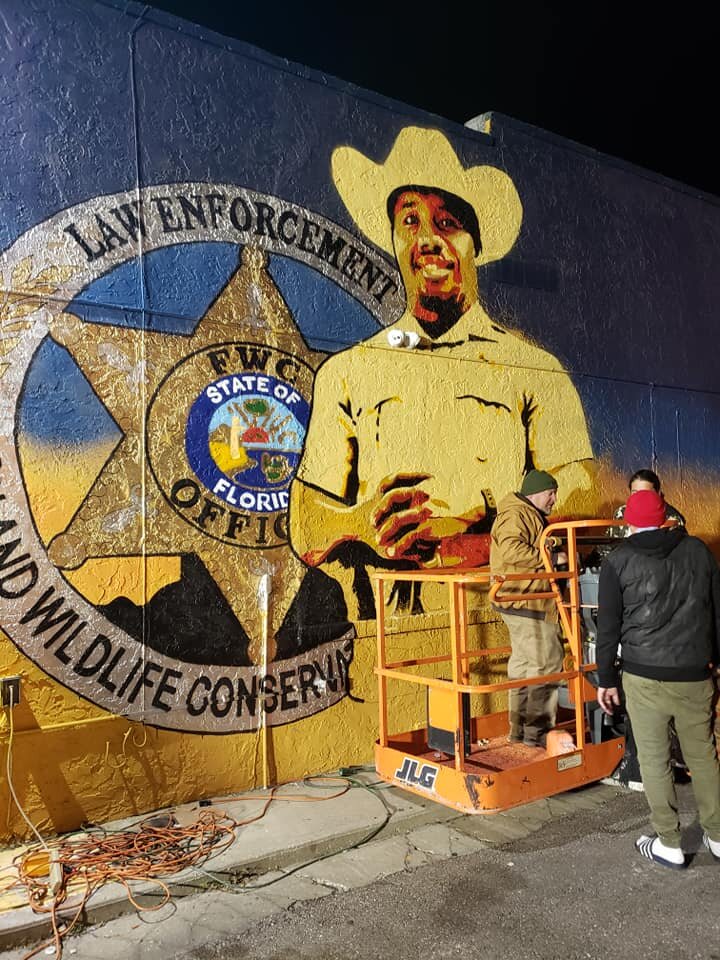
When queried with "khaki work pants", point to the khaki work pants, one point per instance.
{"points": [[536, 650], [651, 705]]}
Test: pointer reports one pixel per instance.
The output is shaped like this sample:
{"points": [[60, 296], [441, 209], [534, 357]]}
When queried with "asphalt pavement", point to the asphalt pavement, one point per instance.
{"points": [[301, 861]]}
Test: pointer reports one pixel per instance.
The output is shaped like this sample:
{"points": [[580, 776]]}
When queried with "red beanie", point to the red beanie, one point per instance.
{"points": [[645, 509]]}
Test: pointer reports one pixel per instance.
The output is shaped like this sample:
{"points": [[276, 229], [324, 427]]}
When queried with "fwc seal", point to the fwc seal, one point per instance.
{"points": [[244, 432], [148, 569]]}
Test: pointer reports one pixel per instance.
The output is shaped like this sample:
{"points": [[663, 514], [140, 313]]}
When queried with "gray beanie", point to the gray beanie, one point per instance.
{"points": [[537, 481]]}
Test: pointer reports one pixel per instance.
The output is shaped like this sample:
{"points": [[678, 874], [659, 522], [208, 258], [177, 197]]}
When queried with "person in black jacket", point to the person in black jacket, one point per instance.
{"points": [[659, 599]]}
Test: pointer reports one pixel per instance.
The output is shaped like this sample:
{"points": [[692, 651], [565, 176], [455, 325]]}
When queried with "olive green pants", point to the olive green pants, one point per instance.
{"points": [[651, 705], [536, 650]]}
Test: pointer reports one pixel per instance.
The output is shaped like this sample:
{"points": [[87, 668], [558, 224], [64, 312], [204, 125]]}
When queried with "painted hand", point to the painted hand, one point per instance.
{"points": [[408, 526], [401, 509]]}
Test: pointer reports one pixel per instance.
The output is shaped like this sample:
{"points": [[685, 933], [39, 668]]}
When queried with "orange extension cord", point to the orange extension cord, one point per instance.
{"points": [[146, 853]]}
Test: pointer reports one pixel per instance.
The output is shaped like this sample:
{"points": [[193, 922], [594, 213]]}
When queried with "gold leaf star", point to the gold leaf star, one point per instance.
{"points": [[148, 382]]}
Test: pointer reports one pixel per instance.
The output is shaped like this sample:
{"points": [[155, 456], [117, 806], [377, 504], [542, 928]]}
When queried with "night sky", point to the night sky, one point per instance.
{"points": [[629, 83]]}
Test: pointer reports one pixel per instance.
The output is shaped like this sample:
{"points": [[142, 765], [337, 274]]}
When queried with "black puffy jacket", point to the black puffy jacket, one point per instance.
{"points": [[659, 597]]}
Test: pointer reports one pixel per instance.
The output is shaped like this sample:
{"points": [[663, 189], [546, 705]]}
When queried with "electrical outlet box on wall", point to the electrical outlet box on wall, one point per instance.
{"points": [[9, 691]]}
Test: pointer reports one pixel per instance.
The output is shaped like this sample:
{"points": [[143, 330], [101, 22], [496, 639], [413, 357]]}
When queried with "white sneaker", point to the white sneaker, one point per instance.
{"points": [[652, 848], [712, 845]]}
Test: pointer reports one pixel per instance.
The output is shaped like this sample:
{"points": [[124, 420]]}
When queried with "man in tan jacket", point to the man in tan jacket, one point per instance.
{"points": [[532, 623]]}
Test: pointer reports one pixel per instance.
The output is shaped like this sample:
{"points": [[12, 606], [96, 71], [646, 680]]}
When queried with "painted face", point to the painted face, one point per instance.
{"points": [[640, 485], [434, 251]]}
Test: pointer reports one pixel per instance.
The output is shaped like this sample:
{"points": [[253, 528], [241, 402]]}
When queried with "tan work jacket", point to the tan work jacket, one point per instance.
{"points": [[514, 548]]}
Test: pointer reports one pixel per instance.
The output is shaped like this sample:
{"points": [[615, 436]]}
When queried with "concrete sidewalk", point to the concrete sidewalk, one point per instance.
{"points": [[298, 851]]}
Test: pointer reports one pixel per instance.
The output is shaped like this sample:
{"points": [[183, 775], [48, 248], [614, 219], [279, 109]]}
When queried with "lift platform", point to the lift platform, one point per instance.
{"points": [[466, 762]]}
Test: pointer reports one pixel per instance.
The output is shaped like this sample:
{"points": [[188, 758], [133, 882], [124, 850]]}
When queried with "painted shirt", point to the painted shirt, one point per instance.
{"points": [[469, 414]]}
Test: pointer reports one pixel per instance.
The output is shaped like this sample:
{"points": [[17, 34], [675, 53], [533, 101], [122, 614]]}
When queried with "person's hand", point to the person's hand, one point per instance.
{"points": [[552, 545], [608, 698]]}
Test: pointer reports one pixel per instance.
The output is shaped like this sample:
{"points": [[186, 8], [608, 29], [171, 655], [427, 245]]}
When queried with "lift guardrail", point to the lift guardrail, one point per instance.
{"points": [[494, 774]]}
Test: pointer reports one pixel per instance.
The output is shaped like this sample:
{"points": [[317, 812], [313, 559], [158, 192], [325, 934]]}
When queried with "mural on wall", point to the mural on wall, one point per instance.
{"points": [[408, 450], [194, 494], [207, 441], [145, 467]]}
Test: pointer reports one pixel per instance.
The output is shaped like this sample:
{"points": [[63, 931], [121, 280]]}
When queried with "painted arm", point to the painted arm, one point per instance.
{"points": [[321, 523], [399, 523]]}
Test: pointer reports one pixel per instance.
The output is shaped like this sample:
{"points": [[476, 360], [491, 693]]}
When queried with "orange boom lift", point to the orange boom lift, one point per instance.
{"points": [[467, 762]]}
